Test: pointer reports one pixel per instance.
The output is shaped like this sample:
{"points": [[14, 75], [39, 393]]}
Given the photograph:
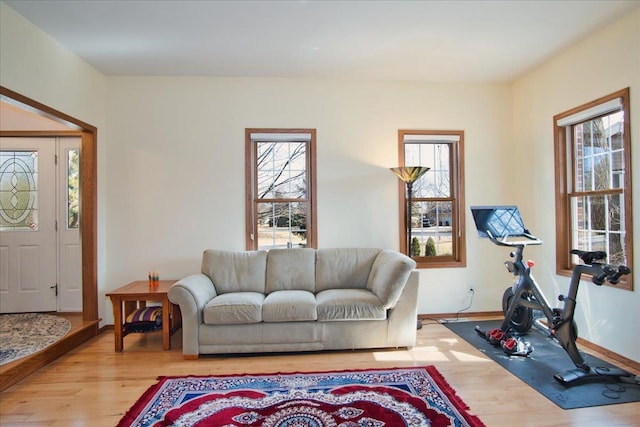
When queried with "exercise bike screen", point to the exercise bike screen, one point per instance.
{"points": [[499, 220]]}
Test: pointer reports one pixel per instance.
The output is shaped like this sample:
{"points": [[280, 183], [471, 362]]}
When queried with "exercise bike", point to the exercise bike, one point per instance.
{"points": [[503, 224]]}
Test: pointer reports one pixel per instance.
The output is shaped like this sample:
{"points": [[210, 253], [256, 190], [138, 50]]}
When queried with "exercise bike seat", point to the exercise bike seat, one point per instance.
{"points": [[588, 257]]}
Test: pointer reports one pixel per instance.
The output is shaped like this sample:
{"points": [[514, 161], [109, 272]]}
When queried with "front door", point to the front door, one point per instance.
{"points": [[27, 225]]}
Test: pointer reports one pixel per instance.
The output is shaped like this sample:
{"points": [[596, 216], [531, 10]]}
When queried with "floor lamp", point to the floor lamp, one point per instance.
{"points": [[409, 175]]}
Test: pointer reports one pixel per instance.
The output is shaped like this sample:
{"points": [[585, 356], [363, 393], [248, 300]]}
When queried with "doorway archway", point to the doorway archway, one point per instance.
{"points": [[88, 189]]}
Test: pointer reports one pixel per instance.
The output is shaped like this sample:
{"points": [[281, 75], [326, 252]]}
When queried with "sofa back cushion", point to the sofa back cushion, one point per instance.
{"points": [[291, 269], [344, 268], [389, 274], [235, 271]]}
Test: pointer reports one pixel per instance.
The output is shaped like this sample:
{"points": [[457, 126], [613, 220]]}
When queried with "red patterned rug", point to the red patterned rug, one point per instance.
{"points": [[415, 396]]}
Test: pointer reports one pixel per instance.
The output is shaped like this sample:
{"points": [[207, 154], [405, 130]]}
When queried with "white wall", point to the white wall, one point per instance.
{"points": [[38, 67], [597, 66], [171, 183], [176, 181]]}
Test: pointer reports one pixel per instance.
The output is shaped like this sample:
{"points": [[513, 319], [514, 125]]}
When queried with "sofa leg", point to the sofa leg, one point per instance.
{"points": [[190, 357]]}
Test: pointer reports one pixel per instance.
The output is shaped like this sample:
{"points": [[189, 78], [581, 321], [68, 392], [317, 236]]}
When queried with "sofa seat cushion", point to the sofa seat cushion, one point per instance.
{"points": [[234, 308], [349, 304], [287, 306]]}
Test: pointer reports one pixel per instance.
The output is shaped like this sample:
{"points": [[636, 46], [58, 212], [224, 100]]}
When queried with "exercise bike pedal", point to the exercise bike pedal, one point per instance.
{"points": [[487, 335], [572, 376]]}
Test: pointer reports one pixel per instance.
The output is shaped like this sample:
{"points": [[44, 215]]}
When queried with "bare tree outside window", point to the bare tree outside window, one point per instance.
{"points": [[280, 212], [281, 168]]}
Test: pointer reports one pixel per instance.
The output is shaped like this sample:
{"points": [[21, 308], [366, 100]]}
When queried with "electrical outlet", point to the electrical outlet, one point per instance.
{"points": [[468, 298]]}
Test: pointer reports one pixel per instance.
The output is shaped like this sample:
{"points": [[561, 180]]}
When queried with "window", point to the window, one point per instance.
{"points": [[593, 182], [280, 186], [18, 190], [437, 211], [73, 189]]}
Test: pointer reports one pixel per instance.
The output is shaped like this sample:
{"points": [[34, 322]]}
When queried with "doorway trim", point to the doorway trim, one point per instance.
{"points": [[88, 189]]}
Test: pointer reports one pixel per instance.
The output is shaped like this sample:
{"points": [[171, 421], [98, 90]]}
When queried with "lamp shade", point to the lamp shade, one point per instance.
{"points": [[409, 174]]}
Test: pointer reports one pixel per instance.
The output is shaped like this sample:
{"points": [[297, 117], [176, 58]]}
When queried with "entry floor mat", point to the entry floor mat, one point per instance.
{"points": [[23, 334]]}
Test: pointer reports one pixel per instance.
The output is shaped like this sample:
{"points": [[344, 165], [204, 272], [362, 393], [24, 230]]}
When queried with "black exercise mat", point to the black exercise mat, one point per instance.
{"points": [[547, 359]]}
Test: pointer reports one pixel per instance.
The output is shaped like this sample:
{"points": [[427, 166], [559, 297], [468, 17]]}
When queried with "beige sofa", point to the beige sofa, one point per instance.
{"points": [[298, 300]]}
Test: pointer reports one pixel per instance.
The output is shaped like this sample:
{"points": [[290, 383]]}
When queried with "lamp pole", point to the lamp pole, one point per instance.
{"points": [[409, 201], [409, 175]]}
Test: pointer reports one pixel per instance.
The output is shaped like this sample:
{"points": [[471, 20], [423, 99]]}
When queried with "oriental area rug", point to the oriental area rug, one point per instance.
{"points": [[415, 396], [23, 334]]}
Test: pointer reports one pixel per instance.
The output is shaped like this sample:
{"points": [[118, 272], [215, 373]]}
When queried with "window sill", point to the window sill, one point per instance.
{"points": [[428, 262]]}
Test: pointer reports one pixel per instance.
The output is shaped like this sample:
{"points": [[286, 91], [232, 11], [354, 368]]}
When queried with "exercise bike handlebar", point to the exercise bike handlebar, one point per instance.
{"points": [[604, 272], [623, 270], [503, 241]]}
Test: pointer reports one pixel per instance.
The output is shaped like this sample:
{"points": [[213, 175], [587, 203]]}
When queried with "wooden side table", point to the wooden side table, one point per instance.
{"points": [[135, 295]]}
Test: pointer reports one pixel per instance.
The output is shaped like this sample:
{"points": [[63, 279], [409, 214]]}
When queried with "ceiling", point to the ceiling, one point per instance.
{"points": [[472, 41]]}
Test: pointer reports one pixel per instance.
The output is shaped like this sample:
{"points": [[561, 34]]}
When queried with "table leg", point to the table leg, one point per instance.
{"points": [[117, 321], [129, 307], [166, 324]]}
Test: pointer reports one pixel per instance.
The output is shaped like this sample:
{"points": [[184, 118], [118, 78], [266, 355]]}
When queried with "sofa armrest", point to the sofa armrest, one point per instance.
{"points": [[191, 293], [389, 274], [403, 317]]}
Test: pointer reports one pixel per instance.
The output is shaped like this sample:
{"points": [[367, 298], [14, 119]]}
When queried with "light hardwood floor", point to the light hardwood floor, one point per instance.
{"points": [[81, 331], [94, 386]]}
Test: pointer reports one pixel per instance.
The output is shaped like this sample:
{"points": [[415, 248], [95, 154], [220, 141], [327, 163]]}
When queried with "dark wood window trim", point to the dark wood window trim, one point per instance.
{"points": [[250, 184], [563, 186], [456, 167]]}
